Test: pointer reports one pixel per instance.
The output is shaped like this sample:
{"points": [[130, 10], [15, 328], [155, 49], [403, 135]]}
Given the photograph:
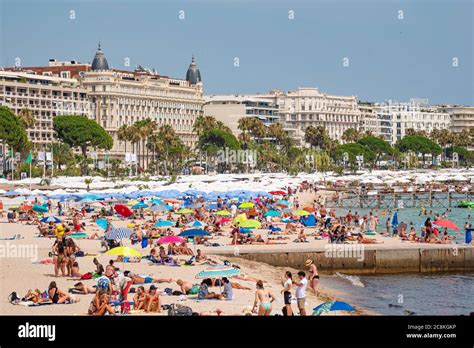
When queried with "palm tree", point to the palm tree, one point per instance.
{"points": [[351, 135], [26, 117], [123, 135], [316, 136]]}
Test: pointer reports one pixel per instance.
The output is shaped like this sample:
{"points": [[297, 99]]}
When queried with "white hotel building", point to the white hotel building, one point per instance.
{"points": [[305, 107]]}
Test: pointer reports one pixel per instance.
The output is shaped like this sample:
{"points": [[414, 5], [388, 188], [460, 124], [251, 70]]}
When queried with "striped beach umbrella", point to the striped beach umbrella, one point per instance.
{"points": [[51, 219], [218, 272], [196, 223], [119, 233]]}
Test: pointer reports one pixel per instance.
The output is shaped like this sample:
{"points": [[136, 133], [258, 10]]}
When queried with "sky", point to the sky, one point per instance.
{"points": [[374, 49]]}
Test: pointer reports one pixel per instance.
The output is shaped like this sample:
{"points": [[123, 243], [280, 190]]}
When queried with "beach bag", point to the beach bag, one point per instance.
{"points": [[125, 307], [168, 291], [183, 311], [86, 276], [13, 298]]}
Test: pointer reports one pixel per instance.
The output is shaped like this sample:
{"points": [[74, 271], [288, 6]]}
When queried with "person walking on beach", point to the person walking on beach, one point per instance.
{"points": [[287, 284], [265, 297], [300, 293], [313, 276]]}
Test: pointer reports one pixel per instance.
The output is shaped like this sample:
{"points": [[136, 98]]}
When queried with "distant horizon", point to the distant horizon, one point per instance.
{"points": [[367, 49]]}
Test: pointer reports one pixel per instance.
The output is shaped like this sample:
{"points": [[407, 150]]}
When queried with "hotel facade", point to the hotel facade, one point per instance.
{"points": [[117, 97]]}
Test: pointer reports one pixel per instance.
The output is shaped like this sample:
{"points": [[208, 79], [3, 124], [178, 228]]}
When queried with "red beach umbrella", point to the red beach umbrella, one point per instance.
{"points": [[311, 209], [123, 210], [446, 224], [278, 192]]}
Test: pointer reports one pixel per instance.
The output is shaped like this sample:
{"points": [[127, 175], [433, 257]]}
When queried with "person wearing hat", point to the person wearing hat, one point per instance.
{"points": [[313, 275]]}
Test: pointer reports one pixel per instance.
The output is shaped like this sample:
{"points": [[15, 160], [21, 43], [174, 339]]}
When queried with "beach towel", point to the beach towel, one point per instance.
{"points": [[15, 237]]}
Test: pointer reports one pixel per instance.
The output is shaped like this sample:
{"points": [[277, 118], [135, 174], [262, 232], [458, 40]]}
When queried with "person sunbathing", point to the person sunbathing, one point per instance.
{"points": [[56, 295], [100, 305], [152, 303], [75, 270], [363, 240], [139, 299], [35, 296], [81, 288], [203, 259], [188, 288], [136, 279]]}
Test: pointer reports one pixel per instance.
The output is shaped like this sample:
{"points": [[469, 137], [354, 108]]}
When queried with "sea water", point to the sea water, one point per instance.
{"points": [[407, 294]]}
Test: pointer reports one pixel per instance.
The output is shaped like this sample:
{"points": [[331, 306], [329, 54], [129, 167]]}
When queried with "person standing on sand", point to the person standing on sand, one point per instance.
{"points": [[313, 275], [265, 297], [287, 284], [301, 284]]}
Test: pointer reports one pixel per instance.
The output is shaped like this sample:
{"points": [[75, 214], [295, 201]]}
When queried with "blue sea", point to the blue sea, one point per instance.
{"points": [[407, 294]]}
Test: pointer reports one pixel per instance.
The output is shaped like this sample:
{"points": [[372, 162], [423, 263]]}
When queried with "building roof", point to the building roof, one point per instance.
{"points": [[100, 62], [193, 75]]}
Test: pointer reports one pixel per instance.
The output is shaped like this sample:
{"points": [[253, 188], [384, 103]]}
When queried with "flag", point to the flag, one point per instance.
{"points": [[29, 159]]}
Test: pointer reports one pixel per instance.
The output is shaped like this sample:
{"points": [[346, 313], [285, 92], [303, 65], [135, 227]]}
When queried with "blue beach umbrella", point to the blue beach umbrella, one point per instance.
{"points": [[272, 213], [119, 233], [157, 201], [332, 306], [51, 219], [140, 205], [395, 219], [40, 208], [163, 223], [195, 232], [102, 223]]}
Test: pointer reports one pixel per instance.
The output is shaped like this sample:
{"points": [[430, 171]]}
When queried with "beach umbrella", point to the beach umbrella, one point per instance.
{"points": [[102, 223], [218, 272], [184, 211], [119, 233], [223, 220], [278, 192], [51, 219], [163, 223], [25, 207], [140, 205], [240, 218], [250, 224], [40, 208], [157, 201], [246, 205], [196, 223], [446, 224], [123, 210], [332, 306], [395, 219], [160, 207], [272, 213], [98, 204], [170, 239], [283, 202], [133, 202], [195, 232], [223, 213], [302, 213], [310, 209], [124, 251]]}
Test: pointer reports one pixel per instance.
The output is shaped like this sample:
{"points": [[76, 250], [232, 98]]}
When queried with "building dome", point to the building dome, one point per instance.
{"points": [[193, 75], [100, 62]]}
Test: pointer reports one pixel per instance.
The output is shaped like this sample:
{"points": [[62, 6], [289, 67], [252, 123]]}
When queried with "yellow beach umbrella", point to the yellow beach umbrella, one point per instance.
{"points": [[223, 213], [250, 224], [302, 213], [184, 211], [132, 202], [240, 218], [246, 205], [124, 251]]}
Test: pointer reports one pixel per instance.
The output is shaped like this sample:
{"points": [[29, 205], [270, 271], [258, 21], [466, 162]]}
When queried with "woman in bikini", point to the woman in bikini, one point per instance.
{"points": [[139, 299], [265, 297], [313, 275], [100, 304], [70, 251], [56, 295], [153, 303], [59, 257]]}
